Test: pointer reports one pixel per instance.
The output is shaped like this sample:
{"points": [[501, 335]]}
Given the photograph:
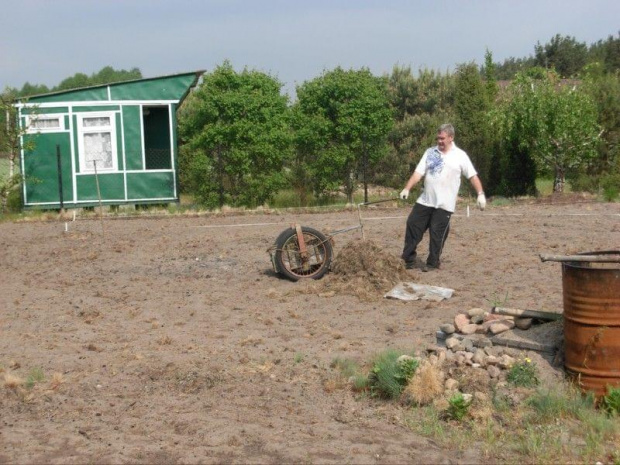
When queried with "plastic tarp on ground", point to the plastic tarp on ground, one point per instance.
{"points": [[411, 291]]}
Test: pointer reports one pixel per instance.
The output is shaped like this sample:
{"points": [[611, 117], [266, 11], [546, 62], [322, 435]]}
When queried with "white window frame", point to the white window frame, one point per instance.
{"points": [[32, 119], [84, 130]]}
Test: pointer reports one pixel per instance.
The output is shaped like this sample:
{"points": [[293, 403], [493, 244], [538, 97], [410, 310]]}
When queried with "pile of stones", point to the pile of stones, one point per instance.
{"points": [[467, 340]]}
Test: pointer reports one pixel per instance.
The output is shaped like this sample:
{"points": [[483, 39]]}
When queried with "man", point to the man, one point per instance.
{"points": [[441, 167]]}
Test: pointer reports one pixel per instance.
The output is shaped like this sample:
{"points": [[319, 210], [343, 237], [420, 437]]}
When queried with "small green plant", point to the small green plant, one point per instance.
{"points": [[299, 357], [497, 301], [36, 375], [390, 372], [523, 373], [407, 368], [458, 407], [611, 401]]}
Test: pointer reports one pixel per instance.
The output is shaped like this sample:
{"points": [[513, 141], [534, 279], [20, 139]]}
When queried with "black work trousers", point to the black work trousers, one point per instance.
{"points": [[421, 218]]}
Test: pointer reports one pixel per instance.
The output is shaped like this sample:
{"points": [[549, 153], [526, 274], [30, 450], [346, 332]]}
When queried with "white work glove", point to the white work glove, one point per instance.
{"points": [[481, 201], [404, 194]]}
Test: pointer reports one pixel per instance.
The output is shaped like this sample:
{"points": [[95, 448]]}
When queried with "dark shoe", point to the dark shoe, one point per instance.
{"points": [[427, 268], [409, 265]]}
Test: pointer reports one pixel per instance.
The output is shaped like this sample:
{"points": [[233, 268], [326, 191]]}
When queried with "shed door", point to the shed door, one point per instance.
{"points": [[41, 169], [157, 150]]}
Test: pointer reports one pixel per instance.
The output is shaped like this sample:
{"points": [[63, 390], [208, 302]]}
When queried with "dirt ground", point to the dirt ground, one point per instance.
{"points": [[171, 340]]}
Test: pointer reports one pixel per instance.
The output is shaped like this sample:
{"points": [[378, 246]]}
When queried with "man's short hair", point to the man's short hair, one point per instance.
{"points": [[447, 128]]}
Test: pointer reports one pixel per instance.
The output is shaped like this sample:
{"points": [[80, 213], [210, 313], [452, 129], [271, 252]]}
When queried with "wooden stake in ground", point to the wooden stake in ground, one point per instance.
{"points": [[99, 197]]}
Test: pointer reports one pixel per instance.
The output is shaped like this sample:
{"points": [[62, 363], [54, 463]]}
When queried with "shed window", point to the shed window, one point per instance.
{"points": [[46, 123], [97, 142]]}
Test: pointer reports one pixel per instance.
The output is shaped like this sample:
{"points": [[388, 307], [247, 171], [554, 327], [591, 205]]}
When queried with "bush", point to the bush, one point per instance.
{"points": [[458, 407], [610, 184], [390, 373], [523, 373], [585, 183], [611, 401], [14, 201]]}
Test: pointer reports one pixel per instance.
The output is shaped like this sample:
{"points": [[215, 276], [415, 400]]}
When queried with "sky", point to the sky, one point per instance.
{"points": [[46, 41]]}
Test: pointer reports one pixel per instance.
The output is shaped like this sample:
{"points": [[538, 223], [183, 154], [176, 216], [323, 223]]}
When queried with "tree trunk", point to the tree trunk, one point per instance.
{"points": [[558, 184]]}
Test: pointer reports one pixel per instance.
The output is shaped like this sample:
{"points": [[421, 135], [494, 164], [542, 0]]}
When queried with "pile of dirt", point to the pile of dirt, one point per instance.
{"points": [[364, 269]]}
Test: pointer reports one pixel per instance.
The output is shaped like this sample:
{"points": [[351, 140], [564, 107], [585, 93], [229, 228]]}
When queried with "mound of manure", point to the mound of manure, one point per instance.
{"points": [[364, 269]]}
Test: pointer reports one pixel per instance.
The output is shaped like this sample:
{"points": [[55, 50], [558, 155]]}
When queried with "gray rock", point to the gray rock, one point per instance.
{"points": [[501, 326], [475, 312], [477, 319], [483, 342], [493, 371], [468, 344], [492, 360], [447, 328], [479, 357], [452, 342], [523, 323], [451, 384], [469, 329]]}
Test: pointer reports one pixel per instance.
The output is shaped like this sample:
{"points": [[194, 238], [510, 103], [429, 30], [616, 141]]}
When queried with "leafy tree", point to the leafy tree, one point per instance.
{"points": [[419, 104], [342, 120], [32, 89], [472, 103], [604, 88], [490, 78], [10, 143], [512, 66], [555, 125], [106, 75], [237, 138], [564, 54], [607, 53], [77, 81]]}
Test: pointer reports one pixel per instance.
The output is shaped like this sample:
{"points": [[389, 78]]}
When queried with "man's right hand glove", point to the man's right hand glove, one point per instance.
{"points": [[404, 194], [481, 201]]}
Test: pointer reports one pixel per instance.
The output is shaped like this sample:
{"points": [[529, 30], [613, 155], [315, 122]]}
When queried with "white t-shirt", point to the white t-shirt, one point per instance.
{"points": [[442, 176]]}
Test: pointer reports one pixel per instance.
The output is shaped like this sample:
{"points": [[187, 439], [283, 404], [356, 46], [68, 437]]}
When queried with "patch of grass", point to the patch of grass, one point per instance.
{"points": [[56, 380], [499, 201], [524, 373], [562, 401], [35, 375], [425, 385], [427, 422], [12, 381], [299, 357], [390, 373], [345, 366]]}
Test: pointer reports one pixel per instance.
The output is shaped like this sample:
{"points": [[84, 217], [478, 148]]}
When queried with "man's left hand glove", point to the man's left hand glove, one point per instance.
{"points": [[482, 201]]}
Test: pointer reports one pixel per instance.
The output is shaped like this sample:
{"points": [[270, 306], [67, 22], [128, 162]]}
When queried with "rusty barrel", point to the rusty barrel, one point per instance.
{"points": [[591, 295]]}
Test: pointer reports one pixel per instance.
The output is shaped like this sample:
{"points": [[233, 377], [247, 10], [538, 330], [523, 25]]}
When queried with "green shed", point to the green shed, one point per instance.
{"points": [[118, 141]]}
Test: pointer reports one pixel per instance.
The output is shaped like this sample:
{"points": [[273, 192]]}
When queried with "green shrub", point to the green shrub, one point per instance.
{"points": [[610, 184], [458, 407], [390, 372], [611, 401], [524, 373], [585, 183]]}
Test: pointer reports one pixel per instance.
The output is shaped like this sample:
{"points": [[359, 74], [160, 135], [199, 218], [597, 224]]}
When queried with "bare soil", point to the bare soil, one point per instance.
{"points": [[171, 340]]}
